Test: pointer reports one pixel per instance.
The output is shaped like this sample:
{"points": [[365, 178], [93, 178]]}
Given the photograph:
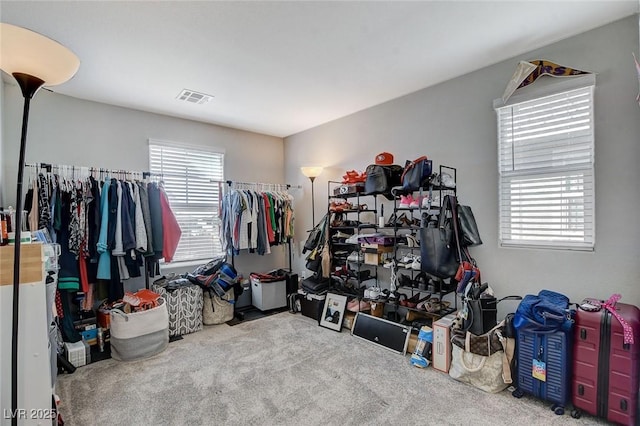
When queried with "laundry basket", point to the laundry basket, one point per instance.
{"points": [[141, 334]]}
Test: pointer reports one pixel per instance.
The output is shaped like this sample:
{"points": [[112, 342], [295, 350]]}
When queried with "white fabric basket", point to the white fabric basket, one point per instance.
{"points": [[139, 334]]}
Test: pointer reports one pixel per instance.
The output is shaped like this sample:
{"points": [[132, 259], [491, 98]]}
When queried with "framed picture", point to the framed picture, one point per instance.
{"points": [[333, 311]]}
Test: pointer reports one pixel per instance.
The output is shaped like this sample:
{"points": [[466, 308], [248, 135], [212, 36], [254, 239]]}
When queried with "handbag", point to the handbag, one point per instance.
{"points": [[483, 372], [468, 227], [481, 315], [416, 173], [316, 235], [380, 179], [485, 344], [490, 373], [439, 251]]}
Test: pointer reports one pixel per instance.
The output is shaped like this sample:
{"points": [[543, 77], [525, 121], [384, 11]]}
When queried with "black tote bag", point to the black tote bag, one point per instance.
{"points": [[439, 251], [468, 227]]}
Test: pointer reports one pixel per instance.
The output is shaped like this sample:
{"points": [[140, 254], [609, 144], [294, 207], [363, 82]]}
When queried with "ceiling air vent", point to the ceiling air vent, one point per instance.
{"points": [[194, 97]]}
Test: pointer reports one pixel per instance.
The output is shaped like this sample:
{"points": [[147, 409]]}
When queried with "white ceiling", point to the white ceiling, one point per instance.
{"points": [[279, 68]]}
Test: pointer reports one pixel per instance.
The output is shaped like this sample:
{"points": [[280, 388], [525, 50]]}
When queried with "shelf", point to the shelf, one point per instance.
{"points": [[353, 211], [407, 247], [367, 226], [352, 195]]}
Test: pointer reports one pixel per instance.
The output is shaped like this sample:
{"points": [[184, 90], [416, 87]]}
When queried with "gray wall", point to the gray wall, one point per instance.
{"points": [[65, 130], [454, 124]]}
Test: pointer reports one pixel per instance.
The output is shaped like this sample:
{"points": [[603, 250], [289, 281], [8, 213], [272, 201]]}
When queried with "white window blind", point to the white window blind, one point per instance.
{"points": [[187, 174], [546, 165]]}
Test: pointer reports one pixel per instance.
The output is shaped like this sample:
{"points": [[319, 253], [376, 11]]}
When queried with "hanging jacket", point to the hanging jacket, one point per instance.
{"points": [[171, 231]]}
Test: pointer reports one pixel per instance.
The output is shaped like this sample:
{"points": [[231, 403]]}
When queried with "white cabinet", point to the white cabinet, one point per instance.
{"points": [[34, 367]]}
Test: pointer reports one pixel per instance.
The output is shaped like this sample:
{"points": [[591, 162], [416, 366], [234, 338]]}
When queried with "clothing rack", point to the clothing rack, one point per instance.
{"points": [[84, 171], [79, 172], [258, 186], [261, 186]]}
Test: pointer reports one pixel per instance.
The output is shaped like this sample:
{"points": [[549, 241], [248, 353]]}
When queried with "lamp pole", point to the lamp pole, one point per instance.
{"points": [[313, 203], [29, 86]]}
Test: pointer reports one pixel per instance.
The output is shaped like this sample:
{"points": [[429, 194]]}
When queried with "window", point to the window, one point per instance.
{"points": [[546, 166], [187, 174]]}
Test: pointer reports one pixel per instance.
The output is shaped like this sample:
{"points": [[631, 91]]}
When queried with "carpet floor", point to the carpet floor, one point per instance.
{"points": [[284, 370]]}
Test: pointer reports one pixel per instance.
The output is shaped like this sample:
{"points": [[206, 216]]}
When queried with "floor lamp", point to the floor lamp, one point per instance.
{"points": [[312, 173], [34, 61]]}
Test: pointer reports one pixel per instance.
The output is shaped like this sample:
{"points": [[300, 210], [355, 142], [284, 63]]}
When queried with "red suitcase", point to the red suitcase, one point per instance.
{"points": [[606, 370]]}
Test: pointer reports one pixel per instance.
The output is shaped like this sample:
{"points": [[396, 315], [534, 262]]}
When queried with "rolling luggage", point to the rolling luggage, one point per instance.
{"points": [[544, 367], [607, 361], [544, 340]]}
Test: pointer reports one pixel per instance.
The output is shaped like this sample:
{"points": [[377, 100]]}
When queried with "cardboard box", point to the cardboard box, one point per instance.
{"points": [[373, 253], [349, 317], [90, 336], [442, 343]]}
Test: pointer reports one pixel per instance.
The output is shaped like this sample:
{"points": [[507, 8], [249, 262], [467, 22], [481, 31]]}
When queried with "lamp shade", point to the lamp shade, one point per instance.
{"points": [[311, 172], [27, 52]]}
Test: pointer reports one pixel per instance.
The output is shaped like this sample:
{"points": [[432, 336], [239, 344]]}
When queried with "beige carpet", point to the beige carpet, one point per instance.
{"points": [[284, 369]]}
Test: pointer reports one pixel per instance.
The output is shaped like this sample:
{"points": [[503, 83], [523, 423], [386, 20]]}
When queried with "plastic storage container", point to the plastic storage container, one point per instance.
{"points": [[268, 295]]}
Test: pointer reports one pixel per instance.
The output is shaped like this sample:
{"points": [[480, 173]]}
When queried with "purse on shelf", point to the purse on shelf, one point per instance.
{"points": [[416, 173]]}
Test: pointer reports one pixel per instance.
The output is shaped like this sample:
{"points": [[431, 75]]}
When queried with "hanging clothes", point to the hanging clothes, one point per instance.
{"points": [[255, 220], [105, 226]]}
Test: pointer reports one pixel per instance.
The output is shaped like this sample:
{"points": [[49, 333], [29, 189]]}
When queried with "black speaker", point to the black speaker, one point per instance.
{"points": [[388, 334]]}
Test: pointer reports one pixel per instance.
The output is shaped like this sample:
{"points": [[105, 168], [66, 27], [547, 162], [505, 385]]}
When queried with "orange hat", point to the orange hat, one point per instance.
{"points": [[384, 158]]}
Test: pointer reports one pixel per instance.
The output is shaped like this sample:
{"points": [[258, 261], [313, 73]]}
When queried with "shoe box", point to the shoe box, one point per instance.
{"points": [[311, 305], [441, 350], [373, 253]]}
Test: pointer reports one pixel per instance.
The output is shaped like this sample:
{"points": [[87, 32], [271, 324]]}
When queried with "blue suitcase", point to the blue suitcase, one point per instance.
{"points": [[544, 367]]}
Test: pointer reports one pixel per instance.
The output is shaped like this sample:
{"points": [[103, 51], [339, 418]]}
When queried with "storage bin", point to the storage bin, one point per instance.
{"points": [[244, 299], [268, 295], [139, 334], [184, 306], [311, 305]]}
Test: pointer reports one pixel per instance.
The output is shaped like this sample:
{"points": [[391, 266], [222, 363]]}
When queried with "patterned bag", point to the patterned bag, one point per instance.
{"points": [[483, 372], [217, 310], [185, 308], [485, 345]]}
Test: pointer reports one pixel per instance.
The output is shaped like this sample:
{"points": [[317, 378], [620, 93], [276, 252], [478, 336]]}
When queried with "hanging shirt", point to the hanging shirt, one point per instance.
{"points": [[104, 260], [140, 228], [118, 248]]}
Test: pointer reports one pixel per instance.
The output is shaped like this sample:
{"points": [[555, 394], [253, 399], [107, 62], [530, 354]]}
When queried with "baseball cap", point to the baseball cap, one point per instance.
{"points": [[384, 158]]}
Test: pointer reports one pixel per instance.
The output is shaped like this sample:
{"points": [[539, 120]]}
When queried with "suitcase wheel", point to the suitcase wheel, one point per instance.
{"points": [[517, 393], [557, 409], [576, 414]]}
